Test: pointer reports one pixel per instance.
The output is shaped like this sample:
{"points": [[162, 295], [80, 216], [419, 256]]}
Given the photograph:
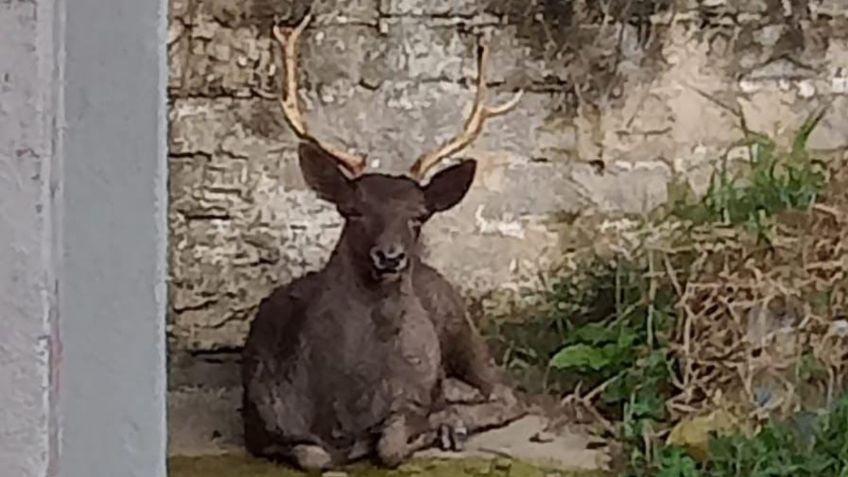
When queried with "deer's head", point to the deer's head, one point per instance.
{"points": [[383, 213]]}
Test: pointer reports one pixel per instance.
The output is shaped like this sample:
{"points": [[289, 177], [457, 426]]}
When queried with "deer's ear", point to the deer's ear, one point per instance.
{"points": [[448, 187], [322, 174]]}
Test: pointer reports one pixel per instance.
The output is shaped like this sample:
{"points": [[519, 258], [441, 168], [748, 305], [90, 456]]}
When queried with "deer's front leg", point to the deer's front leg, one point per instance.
{"points": [[395, 443], [458, 421], [469, 360], [443, 428], [449, 428]]}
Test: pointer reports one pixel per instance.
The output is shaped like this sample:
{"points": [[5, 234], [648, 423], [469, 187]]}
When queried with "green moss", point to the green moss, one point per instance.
{"points": [[235, 465]]}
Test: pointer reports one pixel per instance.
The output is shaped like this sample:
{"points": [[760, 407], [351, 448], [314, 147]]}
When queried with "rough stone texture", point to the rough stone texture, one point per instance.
{"points": [[27, 318], [82, 238], [653, 97]]}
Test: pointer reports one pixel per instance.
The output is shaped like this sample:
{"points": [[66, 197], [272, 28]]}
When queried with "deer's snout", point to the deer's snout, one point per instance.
{"points": [[389, 258]]}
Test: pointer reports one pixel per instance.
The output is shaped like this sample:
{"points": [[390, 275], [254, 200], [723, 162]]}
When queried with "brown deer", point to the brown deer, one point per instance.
{"points": [[350, 360]]}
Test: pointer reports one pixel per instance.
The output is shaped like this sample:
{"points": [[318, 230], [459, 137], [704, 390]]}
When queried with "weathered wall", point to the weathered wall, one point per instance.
{"points": [[648, 88], [27, 301], [83, 237]]}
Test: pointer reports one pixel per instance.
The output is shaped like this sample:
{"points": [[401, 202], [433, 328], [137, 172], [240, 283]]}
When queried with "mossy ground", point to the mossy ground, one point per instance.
{"points": [[244, 466]]}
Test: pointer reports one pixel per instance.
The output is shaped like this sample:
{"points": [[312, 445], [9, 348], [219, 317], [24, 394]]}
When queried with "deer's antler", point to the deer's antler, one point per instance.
{"points": [[288, 97], [473, 125]]}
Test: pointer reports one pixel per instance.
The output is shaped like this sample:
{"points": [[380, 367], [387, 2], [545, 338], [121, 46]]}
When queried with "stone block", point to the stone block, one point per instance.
{"points": [[347, 11], [235, 127], [482, 251], [514, 62], [185, 177], [533, 189], [624, 187], [423, 8], [342, 56], [831, 134], [178, 11], [726, 7], [263, 13], [178, 50], [225, 61], [834, 8], [241, 62], [421, 52], [247, 13]]}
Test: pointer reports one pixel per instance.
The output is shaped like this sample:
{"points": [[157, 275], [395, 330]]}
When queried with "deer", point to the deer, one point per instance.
{"points": [[350, 360]]}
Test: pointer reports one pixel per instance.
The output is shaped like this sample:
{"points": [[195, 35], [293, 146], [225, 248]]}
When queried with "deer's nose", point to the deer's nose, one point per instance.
{"points": [[390, 258]]}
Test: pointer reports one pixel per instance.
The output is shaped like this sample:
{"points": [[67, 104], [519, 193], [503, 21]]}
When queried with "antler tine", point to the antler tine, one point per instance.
{"points": [[473, 124], [288, 97]]}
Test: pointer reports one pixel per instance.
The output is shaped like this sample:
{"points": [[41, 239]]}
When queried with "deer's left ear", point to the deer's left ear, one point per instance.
{"points": [[448, 187]]}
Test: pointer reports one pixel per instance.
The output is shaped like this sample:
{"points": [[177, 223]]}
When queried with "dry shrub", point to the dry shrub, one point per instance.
{"points": [[761, 325]]}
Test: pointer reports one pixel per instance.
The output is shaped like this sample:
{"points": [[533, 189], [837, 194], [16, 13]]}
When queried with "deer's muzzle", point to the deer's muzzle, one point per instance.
{"points": [[389, 259]]}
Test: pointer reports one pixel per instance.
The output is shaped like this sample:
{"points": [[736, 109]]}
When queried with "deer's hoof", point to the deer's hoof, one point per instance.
{"points": [[390, 452], [453, 437], [311, 458], [392, 448]]}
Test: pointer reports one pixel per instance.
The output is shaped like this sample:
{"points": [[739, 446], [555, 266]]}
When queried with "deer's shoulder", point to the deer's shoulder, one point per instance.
{"points": [[436, 293], [280, 318]]}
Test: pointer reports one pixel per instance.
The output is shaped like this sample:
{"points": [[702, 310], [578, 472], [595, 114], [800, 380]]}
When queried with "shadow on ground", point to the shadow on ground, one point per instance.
{"points": [[205, 437]]}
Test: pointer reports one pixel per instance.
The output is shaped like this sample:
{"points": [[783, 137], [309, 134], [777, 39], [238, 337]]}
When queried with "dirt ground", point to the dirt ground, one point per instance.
{"points": [[205, 441], [239, 465]]}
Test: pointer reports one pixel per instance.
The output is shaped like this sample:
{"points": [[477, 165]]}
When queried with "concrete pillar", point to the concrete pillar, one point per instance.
{"points": [[29, 246], [82, 238]]}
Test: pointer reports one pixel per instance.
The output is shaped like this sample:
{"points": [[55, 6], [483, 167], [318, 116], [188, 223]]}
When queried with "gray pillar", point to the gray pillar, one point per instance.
{"points": [[82, 238]]}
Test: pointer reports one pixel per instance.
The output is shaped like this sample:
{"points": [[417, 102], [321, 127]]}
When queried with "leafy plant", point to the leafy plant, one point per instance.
{"points": [[674, 462], [774, 181], [608, 328], [623, 349], [583, 311], [806, 446]]}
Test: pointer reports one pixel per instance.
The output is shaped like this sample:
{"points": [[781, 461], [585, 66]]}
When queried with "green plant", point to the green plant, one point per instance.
{"points": [[608, 327], [674, 462], [624, 348], [806, 446], [581, 309], [623, 354], [774, 180]]}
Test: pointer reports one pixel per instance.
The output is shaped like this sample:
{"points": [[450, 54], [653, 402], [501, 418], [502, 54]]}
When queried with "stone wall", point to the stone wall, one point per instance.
{"points": [[621, 95]]}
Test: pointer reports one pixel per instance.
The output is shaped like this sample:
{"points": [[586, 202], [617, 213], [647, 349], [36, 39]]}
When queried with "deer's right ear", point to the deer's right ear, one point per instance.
{"points": [[322, 174]]}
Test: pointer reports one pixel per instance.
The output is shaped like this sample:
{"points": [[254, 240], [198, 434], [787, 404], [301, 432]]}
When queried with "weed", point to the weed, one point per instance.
{"points": [[610, 327], [774, 181], [623, 350], [805, 446]]}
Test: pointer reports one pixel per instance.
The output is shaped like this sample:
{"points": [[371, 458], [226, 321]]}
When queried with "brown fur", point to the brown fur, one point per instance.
{"points": [[347, 361]]}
